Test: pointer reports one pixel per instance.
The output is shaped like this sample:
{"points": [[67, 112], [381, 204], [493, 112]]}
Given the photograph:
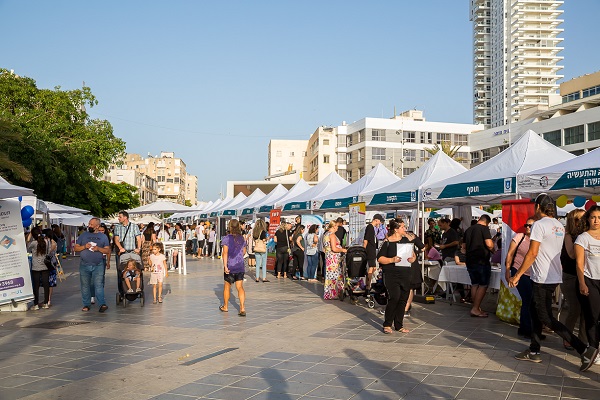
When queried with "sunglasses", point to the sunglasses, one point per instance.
{"points": [[528, 225]]}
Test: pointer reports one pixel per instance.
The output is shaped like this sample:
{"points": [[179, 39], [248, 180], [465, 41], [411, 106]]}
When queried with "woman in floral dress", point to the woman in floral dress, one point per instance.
{"points": [[334, 261]]}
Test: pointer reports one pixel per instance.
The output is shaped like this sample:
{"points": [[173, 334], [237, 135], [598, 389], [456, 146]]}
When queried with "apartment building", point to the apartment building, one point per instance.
{"points": [[320, 158], [573, 124], [286, 160], [400, 143], [147, 186], [515, 57], [191, 189]]}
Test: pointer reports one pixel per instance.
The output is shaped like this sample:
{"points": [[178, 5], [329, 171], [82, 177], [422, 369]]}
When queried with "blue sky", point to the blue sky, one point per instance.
{"points": [[213, 81]]}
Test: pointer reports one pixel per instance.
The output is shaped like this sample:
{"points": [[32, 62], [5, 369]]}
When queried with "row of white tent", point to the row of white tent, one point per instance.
{"points": [[528, 167]]}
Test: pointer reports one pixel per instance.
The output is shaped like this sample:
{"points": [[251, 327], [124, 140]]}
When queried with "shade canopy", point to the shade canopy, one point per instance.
{"points": [[267, 203], [300, 187], [495, 179], [51, 207], [247, 206], [331, 184], [8, 190], [376, 179], [439, 167], [160, 206], [578, 176], [230, 208]]}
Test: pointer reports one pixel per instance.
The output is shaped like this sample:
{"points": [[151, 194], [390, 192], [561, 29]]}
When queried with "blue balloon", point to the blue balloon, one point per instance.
{"points": [[579, 201], [27, 223], [20, 198], [27, 212]]}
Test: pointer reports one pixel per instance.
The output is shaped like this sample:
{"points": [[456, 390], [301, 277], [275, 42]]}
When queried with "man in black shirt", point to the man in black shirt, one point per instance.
{"points": [[450, 240], [479, 245], [370, 244], [341, 231]]}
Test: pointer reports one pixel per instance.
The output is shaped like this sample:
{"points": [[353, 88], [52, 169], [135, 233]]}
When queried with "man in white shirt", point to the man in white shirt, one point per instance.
{"points": [[543, 257], [201, 238]]}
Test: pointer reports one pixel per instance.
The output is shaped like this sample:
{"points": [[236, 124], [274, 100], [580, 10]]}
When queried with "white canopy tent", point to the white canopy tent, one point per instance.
{"points": [[51, 207], [331, 184], [579, 176], [266, 204], [300, 187], [8, 190], [246, 207], [159, 207], [231, 207], [376, 179], [219, 202]]}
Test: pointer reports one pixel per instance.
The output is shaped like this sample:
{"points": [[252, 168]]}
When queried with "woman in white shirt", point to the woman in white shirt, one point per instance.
{"points": [[587, 255]]}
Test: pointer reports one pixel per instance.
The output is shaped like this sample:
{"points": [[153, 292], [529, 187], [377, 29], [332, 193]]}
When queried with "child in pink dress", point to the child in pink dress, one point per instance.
{"points": [[158, 268]]}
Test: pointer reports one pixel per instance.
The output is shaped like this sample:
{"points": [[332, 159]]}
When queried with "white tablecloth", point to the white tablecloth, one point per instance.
{"points": [[459, 274]]}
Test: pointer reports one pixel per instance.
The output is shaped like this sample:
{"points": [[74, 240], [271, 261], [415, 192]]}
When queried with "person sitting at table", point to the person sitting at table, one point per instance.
{"points": [[460, 257], [432, 254]]}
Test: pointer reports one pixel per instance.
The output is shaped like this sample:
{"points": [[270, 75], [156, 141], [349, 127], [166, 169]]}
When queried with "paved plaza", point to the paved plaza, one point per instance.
{"points": [[291, 345]]}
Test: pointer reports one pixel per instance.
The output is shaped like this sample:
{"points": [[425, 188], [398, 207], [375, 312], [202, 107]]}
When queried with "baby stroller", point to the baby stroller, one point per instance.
{"points": [[122, 295], [355, 273], [378, 293]]}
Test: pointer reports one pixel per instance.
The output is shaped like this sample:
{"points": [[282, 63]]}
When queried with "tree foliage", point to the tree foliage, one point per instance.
{"points": [[445, 147], [65, 150], [12, 139]]}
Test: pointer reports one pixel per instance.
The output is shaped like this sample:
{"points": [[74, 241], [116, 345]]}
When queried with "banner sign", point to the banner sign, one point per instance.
{"points": [[15, 276], [248, 211], [473, 189], [583, 178], [356, 221], [229, 212], [274, 221]]}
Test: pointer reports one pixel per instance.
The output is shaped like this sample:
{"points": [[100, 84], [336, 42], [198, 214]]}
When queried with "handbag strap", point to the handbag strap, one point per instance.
{"points": [[516, 249]]}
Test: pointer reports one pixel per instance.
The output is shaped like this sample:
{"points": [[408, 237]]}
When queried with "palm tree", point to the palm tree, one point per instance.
{"points": [[447, 148], [9, 135]]}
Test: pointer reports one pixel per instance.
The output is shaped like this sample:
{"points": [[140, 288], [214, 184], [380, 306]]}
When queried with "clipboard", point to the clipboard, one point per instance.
{"points": [[404, 251]]}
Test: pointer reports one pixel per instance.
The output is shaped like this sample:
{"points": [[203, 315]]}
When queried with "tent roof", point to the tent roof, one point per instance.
{"points": [[51, 207], [439, 167], [577, 176], [273, 196], [377, 178], [216, 204], [232, 205], [254, 198], [300, 187], [160, 206], [495, 179], [331, 184], [8, 190]]}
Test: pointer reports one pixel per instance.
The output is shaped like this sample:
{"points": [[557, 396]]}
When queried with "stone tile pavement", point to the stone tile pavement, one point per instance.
{"points": [[291, 345]]}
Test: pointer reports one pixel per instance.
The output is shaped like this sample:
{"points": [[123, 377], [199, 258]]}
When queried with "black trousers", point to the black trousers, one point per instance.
{"points": [[590, 305], [282, 260], [298, 262], [397, 283], [210, 248], [541, 314], [44, 277]]}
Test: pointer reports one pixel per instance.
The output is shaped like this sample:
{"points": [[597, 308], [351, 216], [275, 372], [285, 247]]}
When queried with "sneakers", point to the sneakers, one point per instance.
{"points": [[130, 291], [93, 300], [527, 355], [138, 290], [588, 357], [597, 362], [35, 307], [46, 306]]}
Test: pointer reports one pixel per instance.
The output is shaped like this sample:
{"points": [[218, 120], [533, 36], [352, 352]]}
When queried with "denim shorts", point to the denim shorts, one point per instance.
{"points": [[480, 274], [233, 278]]}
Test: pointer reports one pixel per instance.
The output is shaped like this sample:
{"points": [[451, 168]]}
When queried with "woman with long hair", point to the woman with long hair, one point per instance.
{"points": [[50, 238], [149, 238], [568, 287], [234, 248], [40, 247], [312, 253], [259, 234], [587, 254], [397, 279], [519, 245], [282, 249], [298, 253], [334, 261]]}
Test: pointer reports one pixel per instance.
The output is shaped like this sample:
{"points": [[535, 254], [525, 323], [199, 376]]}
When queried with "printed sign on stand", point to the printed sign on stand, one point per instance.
{"points": [[356, 221], [15, 276], [274, 221]]}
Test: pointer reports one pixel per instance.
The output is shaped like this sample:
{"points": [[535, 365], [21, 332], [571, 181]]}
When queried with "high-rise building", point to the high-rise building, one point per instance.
{"points": [[515, 57], [320, 158], [191, 189]]}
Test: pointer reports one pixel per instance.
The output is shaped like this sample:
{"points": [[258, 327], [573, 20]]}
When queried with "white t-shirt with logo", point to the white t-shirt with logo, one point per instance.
{"points": [[591, 247], [550, 234]]}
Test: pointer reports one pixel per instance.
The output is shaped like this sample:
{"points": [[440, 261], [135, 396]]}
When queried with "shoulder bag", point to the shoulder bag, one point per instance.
{"points": [[259, 245], [50, 261]]}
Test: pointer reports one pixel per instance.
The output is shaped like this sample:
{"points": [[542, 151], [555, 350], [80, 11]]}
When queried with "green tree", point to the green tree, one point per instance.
{"points": [[447, 148], [12, 139], [66, 150]]}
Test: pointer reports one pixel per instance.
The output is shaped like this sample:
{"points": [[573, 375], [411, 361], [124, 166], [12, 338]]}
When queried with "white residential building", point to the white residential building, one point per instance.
{"points": [[146, 185], [321, 157], [515, 57], [286, 160]]}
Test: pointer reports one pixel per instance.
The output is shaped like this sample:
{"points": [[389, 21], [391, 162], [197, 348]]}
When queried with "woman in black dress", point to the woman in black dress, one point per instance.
{"points": [[397, 279]]}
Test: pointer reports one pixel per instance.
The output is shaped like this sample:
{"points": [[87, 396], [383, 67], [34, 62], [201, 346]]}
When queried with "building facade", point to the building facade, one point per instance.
{"points": [[515, 57], [286, 160], [191, 189], [320, 158], [399, 143], [147, 186]]}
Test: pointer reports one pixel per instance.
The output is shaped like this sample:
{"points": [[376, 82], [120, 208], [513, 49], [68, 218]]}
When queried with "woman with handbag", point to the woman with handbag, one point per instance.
{"points": [[312, 254], [52, 240], [39, 248], [259, 234]]}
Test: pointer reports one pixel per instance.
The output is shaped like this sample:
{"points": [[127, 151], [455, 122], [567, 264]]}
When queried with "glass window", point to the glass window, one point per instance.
{"points": [[577, 152], [291, 154], [408, 171], [325, 159], [553, 137], [360, 155], [443, 137], [348, 140], [425, 155], [574, 134], [325, 142], [410, 155], [474, 157], [378, 153], [348, 158], [591, 91], [462, 157], [461, 140], [594, 131], [378, 135], [341, 158], [361, 135], [486, 154], [361, 173], [409, 137]]}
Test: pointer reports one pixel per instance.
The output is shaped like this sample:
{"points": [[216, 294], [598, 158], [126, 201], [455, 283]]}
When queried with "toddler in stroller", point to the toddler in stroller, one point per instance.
{"points": [[355, 273], [130, 274]]}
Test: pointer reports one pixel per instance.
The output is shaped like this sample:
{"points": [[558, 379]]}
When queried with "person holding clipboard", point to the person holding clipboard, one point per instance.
{"points": [[395, 258]]}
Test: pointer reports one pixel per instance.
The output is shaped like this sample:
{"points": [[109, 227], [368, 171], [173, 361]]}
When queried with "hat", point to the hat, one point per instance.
{"points": [[378, 216]]}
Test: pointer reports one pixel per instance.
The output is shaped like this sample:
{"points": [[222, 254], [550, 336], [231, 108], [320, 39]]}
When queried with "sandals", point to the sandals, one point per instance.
{"points": [[402, 330], [103, 308], [86, 308], [266, 280], [222, 308], [154, 302], [160, 299], [387, 330], [256, 280], [242, 313]]}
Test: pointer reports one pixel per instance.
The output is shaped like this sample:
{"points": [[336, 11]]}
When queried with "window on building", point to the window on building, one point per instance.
{"points": [[378, 135], [409, 137], [342, 173], [176, 180], [427, 137], [475, 157], [443, 137], [594, 131], [461, 140], [361, 173], [378, 153], [361, 135], [553, 137], [574, 135], [303, 154], [360, 155], [325, 142], [278, 153], [408, 171], [591, 91], [410, 155], [486, 155], [348, 158], [169, 180], [349, 176], [291, 154], [342, 158], [325, 159], [348, 140], [571, 97], [577, 152], [425, 155]]}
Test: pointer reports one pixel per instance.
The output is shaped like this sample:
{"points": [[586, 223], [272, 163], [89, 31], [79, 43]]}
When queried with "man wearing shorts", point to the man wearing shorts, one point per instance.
{"points": [[479, 246], [370, 245]]}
